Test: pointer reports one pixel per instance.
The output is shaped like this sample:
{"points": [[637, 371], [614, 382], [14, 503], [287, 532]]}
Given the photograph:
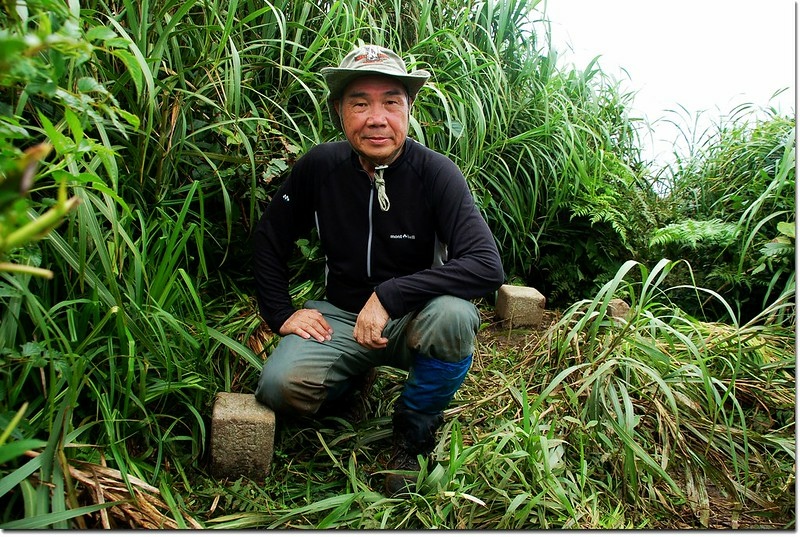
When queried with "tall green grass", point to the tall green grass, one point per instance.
{"points": [[732, 208], [694, 380], [112, 360], [172, 123]]}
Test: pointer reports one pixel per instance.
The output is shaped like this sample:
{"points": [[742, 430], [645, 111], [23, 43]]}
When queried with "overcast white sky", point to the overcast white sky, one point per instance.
{"points": [[704, 55]]}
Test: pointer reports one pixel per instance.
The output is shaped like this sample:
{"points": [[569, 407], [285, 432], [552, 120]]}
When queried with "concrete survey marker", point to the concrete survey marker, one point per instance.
{"points": [[242, 437], [519, 306]]}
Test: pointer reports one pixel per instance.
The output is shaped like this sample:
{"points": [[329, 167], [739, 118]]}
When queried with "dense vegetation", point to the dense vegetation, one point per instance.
{"points": [[140, 142]]}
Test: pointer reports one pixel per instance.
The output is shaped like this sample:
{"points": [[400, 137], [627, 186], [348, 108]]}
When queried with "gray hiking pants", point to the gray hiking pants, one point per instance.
{"points": [[301, 374]]}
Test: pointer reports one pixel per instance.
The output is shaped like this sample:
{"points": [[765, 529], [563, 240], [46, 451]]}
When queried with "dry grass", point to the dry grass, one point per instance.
{"points": [[137, 504]]}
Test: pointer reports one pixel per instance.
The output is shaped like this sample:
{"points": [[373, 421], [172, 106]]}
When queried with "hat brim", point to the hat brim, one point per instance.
{"points": [[337, 79]]}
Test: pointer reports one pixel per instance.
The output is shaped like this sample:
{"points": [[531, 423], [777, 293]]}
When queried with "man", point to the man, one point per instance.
{"points": [[405, 248]]}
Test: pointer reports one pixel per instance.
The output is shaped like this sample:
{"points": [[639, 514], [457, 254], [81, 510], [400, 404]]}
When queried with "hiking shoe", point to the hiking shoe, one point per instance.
{"points": [[401, 482], [413, 433]]}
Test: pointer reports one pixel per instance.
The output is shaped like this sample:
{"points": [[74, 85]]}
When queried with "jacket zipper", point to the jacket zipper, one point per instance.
{"points": [[369, 236], [373, 188]]}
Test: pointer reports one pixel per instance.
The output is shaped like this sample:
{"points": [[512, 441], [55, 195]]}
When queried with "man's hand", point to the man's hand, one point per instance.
{"points": [[307, 323], [370, 323]]}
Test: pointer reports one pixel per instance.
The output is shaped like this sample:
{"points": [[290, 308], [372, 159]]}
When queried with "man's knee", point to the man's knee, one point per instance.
{"points": [[445, 328], [289, 391]]}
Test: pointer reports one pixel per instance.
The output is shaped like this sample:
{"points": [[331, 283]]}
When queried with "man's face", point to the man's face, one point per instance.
{"points": [[374, 114]]}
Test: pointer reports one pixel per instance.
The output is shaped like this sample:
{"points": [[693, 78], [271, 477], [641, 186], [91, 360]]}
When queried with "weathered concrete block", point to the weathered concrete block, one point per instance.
{"points": [[520, 306], [242, 436]]}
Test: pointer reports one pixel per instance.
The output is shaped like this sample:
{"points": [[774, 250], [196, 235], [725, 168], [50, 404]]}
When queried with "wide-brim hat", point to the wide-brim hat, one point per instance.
{"points": [[370, 60]]}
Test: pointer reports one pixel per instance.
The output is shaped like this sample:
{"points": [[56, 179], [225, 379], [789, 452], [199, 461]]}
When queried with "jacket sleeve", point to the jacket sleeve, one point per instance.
{"points": [[473, 268], [288, 215]]}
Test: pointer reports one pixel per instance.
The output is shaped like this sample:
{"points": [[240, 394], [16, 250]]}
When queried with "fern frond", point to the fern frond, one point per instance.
{"points": [[690, 233]]}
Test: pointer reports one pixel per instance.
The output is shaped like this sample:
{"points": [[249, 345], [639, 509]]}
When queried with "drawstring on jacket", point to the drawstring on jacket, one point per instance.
{"points": [[380, 183]]}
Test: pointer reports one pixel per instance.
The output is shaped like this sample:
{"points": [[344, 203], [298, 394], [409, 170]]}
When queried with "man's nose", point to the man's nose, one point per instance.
{"points": [[376, 116]]}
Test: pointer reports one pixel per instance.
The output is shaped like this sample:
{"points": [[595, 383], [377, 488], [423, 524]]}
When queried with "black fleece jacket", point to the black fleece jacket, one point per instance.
{"points": [[432, 241]]}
